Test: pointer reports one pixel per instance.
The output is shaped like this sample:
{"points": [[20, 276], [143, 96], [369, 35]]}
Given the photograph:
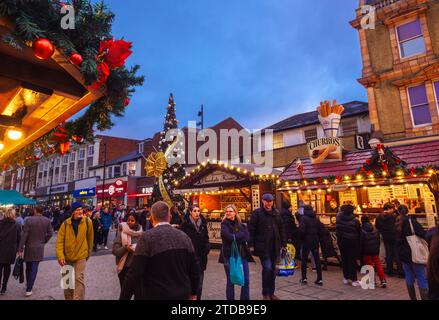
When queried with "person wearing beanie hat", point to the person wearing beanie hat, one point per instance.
{"points": [[75, 205], [348, 237]]}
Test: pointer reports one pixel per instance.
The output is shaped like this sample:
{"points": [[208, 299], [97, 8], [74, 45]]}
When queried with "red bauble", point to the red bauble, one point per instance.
{"points": [[43, 48], [126, 102], [76, 59]]}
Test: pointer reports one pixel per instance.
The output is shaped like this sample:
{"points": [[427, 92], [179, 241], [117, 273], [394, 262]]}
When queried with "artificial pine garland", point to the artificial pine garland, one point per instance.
{"points": [[36, 19]]}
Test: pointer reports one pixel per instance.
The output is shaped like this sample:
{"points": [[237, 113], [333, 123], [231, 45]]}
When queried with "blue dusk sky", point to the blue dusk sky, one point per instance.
{"points": [[258, 61]]}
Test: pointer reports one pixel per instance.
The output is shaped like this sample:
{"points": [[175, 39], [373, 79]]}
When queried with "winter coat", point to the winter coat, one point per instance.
{"points": [[347, 227], [290, 226], [326, 243], [119, 250], [369, 240], [37, 231], [106, 220], [10, 233], [200, 239], [403, 248], [310, 230], [386, 225], [242, 236], [71, 247], [267, 233]]}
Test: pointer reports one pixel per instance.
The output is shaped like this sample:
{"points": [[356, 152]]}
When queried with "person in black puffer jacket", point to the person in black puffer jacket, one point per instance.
{"points": [[311, 233], [386, 225], [348, 238], [370, 248], [289, 224], [412, 270], [195, 226], [328, 249]]}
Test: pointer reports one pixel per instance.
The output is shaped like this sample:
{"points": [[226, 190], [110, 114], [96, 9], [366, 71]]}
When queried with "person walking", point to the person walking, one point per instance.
{"points": [[327, 246], [195, 226], [370, 248], [37, 231], [386, 225], [107, 221], [10, 233], [164, 262], [408, 226], [128, 234], [232, 229], [311, 233], [19, 219], [290, 225], [348, 237], [176, 220], [433, 268], [144, 218], [267, 237], [74, 247], [98, 230]]}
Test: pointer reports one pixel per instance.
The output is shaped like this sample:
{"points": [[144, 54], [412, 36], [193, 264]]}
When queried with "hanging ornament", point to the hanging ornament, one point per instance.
{"points": [[300, 168], [43, 48], [78, 139], [64, 147], [126, 102], [380, 148], [76, 59]]}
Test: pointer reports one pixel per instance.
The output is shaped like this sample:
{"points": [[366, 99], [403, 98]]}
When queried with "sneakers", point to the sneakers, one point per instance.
{"points": [[356, 283], [314, 269], [383, 284], [28, 294], [106, 248], [304, 281], [345, 281], [319, 282]]}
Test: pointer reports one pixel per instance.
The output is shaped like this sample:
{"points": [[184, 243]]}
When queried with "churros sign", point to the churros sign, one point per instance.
{"points": [[328, 149]]}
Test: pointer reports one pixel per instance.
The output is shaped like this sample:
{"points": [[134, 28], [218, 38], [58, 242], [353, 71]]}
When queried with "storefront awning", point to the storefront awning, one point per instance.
{"points": [[12, 197], [415, 155]]}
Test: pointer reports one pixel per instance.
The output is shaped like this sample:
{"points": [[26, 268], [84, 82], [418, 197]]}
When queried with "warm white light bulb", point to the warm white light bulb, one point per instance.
{"points": [[2, 146], [14, 134]]}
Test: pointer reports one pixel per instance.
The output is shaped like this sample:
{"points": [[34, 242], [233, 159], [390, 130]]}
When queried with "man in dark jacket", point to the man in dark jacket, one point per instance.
{"points": [[311, 234], [289, 223], [164, 262], [267, 236], [386, 225], [144, 218]]}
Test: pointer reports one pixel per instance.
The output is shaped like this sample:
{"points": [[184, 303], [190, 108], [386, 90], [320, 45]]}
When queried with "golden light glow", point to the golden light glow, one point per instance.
{"points": [[15, 134], [346, 177], [400, 173], [329, 190], [2, 146], [359, 177], [384, 173]]}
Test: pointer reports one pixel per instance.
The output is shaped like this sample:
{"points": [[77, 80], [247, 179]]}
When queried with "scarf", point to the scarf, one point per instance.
{"points": [[125, 236], [197, 224]]}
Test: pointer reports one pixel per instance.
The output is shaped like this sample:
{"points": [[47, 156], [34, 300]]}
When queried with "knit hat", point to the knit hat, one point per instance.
{"points": [[76, 205]]}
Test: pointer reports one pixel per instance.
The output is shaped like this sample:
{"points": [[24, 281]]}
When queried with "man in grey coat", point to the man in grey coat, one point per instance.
{"points": [[37, 231]]}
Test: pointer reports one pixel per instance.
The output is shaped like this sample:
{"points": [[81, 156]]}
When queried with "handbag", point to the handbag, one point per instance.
{"points": [[18, 272], [236, 267], [418, 247]]}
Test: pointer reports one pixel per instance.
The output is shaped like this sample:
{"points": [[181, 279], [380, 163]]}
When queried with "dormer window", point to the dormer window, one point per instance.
{"points": [[141, 147], [410, 39]]}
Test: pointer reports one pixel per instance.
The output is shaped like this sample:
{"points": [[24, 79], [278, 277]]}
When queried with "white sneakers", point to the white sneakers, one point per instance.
{"points": [[356, 284], [345, 281], [106, 248], [28, 294]]}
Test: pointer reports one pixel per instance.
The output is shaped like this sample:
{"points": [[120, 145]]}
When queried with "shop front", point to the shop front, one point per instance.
{"points": [[85, 192], [57, 195], [215, 185], [114, 193], [143, 192]]}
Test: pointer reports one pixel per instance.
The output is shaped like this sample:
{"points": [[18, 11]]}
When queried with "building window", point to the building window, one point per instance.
{"points": [[436, 91], [419, 105], [132, 170], [109, 172], [278, 141], [310, 135], [80, 173], [124, 169], [141, 147], [58, 162], [71, 175], [65, 159], [90, 151], [410, 38], [81, 154], [349, 127], [116, 171], [63, 176], [72, 157]]}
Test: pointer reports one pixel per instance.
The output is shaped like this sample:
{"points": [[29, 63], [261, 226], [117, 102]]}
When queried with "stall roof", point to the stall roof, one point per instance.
{"points": [[416, 155], [8, 197]]}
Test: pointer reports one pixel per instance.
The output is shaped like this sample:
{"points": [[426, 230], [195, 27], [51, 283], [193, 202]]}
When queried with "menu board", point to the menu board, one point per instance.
{"points": [[348, 197], [237, 199]]}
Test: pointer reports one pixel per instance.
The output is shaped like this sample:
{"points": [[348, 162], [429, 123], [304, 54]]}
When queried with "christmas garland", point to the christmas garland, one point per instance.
{"points": [[89, 45]]}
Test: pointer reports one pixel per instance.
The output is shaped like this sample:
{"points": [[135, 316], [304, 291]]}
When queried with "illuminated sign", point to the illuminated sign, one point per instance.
{"points": [[81, 193]]}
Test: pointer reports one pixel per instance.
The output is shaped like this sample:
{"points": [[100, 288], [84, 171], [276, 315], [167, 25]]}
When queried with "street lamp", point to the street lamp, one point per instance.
{"points": [[104, 146]]}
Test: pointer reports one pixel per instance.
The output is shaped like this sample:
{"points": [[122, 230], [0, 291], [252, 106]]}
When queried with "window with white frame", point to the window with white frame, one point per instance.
{"points": [[132, 169], [81, 154], [116, 171], [71, 175], [349, 127], [58, 161], [72, 157], [141, 147], [278, 140], [90, 151], [310, 135], [109, 172], [80, 173], [65, 159], [63, 177], [419, 107], [410, 39], [124, 169]]}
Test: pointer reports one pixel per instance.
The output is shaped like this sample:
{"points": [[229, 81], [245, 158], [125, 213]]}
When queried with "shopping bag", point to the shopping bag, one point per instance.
{"points": [[18, 272], [236, 268], [286, 265], [418, 246]]}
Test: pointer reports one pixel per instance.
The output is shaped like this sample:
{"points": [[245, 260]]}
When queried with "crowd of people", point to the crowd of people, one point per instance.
{"points": [[159, 240]]}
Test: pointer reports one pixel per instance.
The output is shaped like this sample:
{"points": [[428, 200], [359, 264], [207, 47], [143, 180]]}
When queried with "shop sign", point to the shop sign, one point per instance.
{"points": [[117, 189], [57, 189], [217, 177], [325, 150], [339, 187], [82, 193], [196, 190], [214, 229], [147, 190]]}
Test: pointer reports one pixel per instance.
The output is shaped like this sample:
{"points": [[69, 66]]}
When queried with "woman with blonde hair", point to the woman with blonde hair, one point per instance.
{"points": [[10, 233], [233, 229]]}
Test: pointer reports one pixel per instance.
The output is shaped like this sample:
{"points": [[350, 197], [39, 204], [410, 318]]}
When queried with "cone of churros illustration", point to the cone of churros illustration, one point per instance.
{"points": [[330, 117]]}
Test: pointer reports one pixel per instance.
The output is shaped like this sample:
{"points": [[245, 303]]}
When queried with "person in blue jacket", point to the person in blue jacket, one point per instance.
{"points": [[232, 228], [107, 221]]}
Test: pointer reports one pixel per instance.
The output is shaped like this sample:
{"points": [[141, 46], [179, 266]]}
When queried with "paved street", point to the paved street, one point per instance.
{"points": [[102, 282]]}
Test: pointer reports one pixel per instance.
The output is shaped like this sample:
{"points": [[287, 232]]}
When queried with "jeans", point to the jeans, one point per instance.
{"points": [[31, 274], [315, 253], [375, 262], [415, 271], [392, 256], [268, 276], [105, 237], [5, 273], [349, 252], [230, 288]]}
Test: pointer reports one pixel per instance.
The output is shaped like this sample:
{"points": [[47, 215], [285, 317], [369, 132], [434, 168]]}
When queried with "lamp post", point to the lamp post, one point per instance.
{"points": [[51, 181], [104, 146]]}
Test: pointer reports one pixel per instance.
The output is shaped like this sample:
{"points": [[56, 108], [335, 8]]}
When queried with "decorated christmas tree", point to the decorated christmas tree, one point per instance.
{"points": [[170, 150]]}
